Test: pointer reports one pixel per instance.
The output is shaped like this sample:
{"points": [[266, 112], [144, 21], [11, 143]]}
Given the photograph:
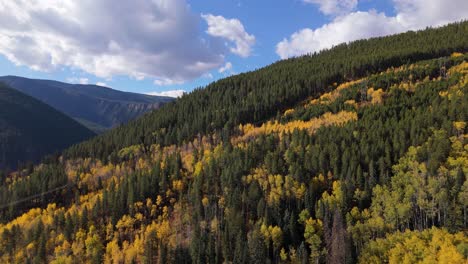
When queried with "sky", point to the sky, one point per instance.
{"points": [[168, 47]]}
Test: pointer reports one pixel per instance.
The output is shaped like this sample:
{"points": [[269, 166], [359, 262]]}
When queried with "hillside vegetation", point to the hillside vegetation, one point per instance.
{"points": [[356, 154], [256, 96], [30, 129]]}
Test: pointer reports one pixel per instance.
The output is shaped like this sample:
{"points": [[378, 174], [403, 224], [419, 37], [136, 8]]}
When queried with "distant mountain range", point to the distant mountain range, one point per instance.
{"points": [[30, 129], [98, 108]]}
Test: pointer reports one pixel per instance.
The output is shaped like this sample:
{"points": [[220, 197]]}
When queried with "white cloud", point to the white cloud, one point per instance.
{"points": [[226, 67], [334, 7], [78, 80], [101, 84], [138, 38], [208, 76], [410, 15], [232, 30], [171, 93], [167, 81]]}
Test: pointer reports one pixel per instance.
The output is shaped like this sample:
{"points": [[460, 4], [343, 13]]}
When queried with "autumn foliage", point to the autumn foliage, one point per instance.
{"points": [[373, 171]]}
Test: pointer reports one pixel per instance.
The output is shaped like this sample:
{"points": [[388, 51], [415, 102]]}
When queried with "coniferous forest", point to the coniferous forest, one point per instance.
{"points": [[356, 154]]}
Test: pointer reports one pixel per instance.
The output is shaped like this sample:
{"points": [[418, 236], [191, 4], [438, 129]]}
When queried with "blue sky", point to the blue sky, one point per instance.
{"points": [[172, 45]]}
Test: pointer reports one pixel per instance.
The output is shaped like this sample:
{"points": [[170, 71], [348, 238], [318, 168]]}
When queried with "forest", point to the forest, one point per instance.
{"points": [[357, 154], [257, 96]]}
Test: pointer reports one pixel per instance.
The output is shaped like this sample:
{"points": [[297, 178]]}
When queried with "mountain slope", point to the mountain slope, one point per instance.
{"points": [[373, 171], [258, 95], [30, 129], [96, 107], [369, 168]]}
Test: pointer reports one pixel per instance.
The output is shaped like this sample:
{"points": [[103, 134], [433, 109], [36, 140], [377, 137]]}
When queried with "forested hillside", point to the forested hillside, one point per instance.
{"points": [[98, 108], [30, 129], [356, 154], [258, 95]]}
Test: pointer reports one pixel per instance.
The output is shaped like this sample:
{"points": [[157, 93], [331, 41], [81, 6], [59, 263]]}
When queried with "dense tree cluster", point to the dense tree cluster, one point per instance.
{"points": [[42, 186]]}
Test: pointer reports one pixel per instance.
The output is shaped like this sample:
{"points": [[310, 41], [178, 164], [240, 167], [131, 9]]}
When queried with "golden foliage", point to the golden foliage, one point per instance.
{"points": [[276, 187], [272, 233], [288, 112], [456, 54], [459, 126], [428, 246], [460, 68], [328, 119], [113, 253], [178, 185], [376, 95], [205, 201], [313, 236], [352, 103], [335, 200], [330, 97]]}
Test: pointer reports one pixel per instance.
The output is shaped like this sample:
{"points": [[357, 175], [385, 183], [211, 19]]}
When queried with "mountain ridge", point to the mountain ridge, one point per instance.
{"points": [[31, 129], [94, 104]]}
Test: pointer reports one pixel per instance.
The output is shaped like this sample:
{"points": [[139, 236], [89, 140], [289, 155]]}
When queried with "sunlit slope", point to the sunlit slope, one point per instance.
{"points": [[259, 95], [371, 171]]}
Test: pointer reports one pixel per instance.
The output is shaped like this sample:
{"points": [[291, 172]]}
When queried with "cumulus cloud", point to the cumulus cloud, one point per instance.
{"points": [[334, 7], [226, 67], [233, 31], [78, 80], [101, 84], [167, 81], [410, 15], [171, 93], [158, 39]]}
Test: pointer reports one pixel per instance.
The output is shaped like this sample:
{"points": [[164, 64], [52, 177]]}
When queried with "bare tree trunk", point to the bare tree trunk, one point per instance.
{"points": [[337, 253]]}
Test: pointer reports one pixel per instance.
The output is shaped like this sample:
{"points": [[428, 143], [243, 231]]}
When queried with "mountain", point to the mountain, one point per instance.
{"points": [[30, 129], [256, 96], [99, 108], [357, 154]]}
